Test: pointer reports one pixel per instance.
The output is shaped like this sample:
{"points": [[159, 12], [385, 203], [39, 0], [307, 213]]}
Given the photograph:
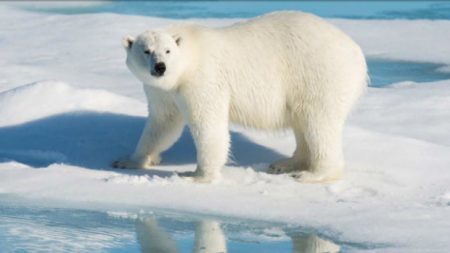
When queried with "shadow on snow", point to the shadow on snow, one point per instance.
{"points": [[93, 140]]}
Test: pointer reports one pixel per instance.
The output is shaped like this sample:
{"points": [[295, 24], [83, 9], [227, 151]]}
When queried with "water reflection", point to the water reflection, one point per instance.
{"points": [[210, 237], [25, 228], [313, 244]]}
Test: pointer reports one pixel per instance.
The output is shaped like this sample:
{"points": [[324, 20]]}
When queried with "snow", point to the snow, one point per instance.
{"points": [[418, 40], [47, 94], [69, 106]]}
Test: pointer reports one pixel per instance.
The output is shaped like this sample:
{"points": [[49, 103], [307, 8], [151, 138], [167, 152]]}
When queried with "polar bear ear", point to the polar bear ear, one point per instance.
{"points": [[128, 41], [177, 39]]}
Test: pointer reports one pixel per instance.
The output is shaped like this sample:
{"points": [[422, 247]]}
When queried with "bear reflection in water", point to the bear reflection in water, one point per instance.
{"points": [[210, 238]]}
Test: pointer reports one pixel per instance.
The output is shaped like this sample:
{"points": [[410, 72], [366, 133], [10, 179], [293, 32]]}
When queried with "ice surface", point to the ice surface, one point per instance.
{"points": [[57, 138]]}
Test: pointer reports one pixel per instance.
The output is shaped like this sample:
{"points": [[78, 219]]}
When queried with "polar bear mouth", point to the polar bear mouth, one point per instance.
{"points": [[155, 74]]}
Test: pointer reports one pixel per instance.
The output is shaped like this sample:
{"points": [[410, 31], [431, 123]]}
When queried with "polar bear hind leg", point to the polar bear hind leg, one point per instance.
{"points": [[323, 138], [300, 159], [318, 156]]}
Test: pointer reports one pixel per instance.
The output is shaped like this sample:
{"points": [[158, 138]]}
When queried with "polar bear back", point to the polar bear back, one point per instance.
{"points": [[276, 65]]}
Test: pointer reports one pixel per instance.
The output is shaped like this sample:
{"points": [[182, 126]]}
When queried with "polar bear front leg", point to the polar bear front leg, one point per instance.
{"points": [[160, 132], [208, 123], [212, 141]]}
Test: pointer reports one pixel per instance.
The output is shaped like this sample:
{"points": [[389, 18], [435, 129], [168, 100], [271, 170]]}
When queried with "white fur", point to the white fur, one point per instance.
{"points": [[278, 71]]}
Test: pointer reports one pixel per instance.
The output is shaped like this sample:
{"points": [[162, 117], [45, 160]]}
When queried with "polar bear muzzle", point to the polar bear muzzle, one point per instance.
{"points": [[159, 69]]}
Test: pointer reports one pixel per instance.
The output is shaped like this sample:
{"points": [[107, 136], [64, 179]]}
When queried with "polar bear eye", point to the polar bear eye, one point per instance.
{"points": [[147, 51], [167, 51]]}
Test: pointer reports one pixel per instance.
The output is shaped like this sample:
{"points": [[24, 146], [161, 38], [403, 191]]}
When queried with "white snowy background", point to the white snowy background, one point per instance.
{"points": [[69, 106]]}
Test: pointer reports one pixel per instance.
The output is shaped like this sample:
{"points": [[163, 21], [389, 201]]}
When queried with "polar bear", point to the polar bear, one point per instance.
{"points": [[284, 70]]}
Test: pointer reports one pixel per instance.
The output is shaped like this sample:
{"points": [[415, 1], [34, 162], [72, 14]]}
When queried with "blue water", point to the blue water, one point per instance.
{"points": [[386, 72], [246, 9], [29, 228]]}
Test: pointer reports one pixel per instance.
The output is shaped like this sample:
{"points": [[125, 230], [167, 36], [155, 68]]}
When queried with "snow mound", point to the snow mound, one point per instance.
{"points": [[47, 98], [414, 110], [52, 122]]}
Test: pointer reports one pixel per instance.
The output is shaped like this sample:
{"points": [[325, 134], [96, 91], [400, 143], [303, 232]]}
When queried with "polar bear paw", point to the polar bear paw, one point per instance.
{"points": [[134, 163], [285, 166], [198, 176], [316, 177]]}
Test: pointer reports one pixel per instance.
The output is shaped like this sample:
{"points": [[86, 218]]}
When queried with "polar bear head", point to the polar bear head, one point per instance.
{"points": [[154, 57]]}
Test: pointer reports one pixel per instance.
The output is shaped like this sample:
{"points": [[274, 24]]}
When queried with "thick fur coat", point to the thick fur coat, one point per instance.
{"points": [[284, 70]]}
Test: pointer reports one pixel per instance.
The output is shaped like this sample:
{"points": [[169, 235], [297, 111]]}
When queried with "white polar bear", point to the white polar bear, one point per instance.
{"points": [[281, 70]]}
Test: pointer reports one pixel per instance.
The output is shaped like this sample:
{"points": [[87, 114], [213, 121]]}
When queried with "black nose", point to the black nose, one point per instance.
{"points": [[160, 68]]}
